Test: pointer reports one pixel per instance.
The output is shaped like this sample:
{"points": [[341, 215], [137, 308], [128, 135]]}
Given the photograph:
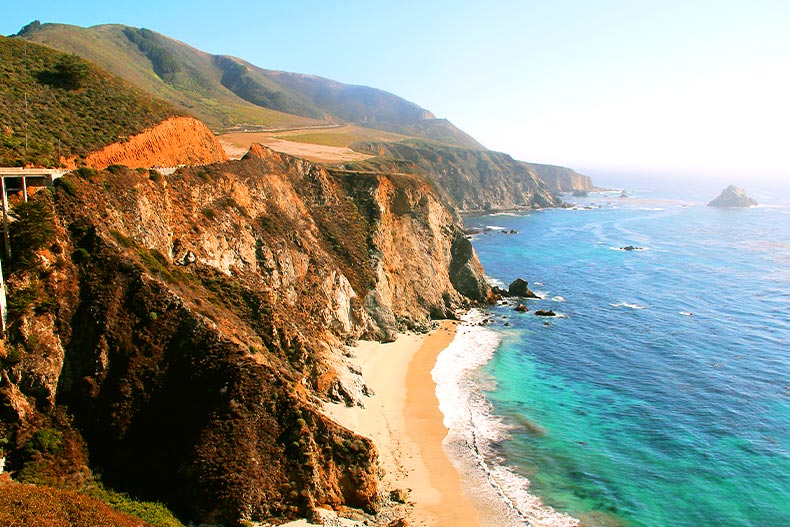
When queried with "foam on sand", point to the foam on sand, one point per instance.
{"points": [[497, 490]]}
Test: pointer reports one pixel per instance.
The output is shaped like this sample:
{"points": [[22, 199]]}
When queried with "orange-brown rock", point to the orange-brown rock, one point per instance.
{"points": [[191, 328], [175, 141]]}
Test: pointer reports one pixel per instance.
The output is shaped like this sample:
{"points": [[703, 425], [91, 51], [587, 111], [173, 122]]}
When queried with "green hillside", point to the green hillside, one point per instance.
{"points": [[53, 104], [228, 93]]}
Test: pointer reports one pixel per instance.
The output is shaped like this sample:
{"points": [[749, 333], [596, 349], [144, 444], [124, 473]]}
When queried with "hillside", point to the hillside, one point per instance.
{"points": [[229, 93], [176, 335], [562, 179], [54, 105], [469, 180]]}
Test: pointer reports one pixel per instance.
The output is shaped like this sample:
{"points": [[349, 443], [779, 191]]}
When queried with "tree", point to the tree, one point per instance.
{"points": [[71, 72]]}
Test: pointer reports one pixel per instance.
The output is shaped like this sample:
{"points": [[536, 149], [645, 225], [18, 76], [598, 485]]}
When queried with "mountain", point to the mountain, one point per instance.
{"points": [[54, 105], [229, 93]]}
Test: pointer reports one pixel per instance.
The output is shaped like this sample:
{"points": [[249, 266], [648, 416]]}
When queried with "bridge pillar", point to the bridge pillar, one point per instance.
{"points": [[6, 239]]}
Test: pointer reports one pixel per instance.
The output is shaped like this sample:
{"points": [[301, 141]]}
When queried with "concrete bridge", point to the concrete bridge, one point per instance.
{"points": [[12, 181]]}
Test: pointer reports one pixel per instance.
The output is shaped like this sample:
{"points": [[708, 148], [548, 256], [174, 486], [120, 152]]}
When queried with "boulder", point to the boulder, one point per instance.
{"points": [[545, 313], [521, 308], [733, 196], [519, 288]]}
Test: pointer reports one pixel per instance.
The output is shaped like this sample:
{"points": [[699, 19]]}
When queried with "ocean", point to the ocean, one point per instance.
{"points": [[660, 394]]}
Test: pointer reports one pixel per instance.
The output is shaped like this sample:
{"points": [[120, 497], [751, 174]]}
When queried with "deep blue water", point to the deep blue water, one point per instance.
{"points": [[661, 397]]}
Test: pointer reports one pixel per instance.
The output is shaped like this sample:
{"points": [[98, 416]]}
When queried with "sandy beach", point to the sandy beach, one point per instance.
{"points": [[404, 421]]}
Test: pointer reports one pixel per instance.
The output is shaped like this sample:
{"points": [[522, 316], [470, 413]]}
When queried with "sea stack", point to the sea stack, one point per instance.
{"points": [[733, 196]]}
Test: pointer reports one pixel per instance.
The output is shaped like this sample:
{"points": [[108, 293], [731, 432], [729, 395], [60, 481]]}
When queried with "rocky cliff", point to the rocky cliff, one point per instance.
{"points": [[176, 334], [561, 179], [175, 141], [469, 180]]}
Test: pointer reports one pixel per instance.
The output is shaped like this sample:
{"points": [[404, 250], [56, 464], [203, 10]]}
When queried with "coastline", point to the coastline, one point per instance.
{"points": [[404, 421]]}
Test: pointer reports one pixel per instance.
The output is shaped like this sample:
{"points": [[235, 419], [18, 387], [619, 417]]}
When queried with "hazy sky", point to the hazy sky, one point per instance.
{"points": [[696, 87]]}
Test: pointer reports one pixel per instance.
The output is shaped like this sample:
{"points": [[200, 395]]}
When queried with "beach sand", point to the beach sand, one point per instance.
{"points": [[403, 420]]}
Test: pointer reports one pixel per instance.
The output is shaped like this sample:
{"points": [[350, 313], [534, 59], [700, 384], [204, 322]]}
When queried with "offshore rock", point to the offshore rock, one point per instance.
{"points": [[733, 197], [518, 287]]}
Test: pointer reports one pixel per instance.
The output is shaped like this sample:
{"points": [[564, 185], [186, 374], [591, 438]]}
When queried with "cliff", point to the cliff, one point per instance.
{"points": [[176, 334], [174, 141], [561, 179], [469, 180]]}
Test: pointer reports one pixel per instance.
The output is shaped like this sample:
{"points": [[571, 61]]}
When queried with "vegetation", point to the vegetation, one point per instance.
{"points": [[55, 105], [150, 512], [227, 93], [41, 506], [33, 229]]}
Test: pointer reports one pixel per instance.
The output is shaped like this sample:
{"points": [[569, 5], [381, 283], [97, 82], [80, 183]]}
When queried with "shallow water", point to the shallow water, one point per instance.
{"points": [[662, 395]]}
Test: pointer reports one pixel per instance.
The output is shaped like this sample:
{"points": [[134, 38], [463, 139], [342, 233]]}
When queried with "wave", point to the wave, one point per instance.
{"points": [[495, 282], [495, 228], [558, 298], [473, 429], [628, 305]]}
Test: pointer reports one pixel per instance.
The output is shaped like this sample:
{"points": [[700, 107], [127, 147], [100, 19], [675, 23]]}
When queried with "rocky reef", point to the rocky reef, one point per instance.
{"points": [[732, 197], [177, 334]]}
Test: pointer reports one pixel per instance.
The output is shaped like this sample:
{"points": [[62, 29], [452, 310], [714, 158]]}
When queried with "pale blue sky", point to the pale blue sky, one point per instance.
{"points": [[694, 87]]}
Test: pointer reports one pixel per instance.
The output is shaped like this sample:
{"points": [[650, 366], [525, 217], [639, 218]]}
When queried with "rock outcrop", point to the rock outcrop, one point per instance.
{"points": [[181, 332], [732, 197], [469, 180], [175, 141], [561, 179]]}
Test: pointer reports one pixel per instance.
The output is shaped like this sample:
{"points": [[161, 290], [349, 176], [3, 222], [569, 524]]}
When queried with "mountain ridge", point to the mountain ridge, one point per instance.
{"points": [[249, 95]]}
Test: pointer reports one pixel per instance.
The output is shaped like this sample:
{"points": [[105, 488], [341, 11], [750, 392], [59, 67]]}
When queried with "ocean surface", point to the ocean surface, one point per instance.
{"points": [[659, 396]]}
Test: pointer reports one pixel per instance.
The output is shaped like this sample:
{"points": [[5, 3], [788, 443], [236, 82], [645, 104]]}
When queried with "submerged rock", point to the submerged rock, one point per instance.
{"points": [[733, 196], [545, 313], [521, 308]]}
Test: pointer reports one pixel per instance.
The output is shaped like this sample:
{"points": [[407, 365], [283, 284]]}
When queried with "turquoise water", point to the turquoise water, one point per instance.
{"points": [[661, 397]]}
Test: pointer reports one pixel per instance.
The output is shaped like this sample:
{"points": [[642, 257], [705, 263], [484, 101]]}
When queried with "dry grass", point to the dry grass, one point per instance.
{"points": [[23, 505], [321, 145]]}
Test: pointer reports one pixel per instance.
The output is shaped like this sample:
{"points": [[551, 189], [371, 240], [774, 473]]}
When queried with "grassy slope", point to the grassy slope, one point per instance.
{"points": [[229, 93], [61, 121], [197, 91]]}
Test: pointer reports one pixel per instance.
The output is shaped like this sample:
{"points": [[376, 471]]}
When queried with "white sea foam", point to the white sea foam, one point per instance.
{"points": [[686, 313], [628, 305], [558, 298], [495, 227], [495, 282], [473, 428]]}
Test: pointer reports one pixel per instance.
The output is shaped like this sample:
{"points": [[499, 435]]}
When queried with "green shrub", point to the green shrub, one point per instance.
{"points": [[33, 229], [152, 512], [45, 440]]}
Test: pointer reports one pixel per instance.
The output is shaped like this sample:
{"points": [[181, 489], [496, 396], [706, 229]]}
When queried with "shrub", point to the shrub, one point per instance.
{"points": [[152, 512], [33, 229]]}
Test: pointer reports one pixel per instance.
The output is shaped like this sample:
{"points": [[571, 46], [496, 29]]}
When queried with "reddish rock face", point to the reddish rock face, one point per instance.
{"points": [[175, 141]]}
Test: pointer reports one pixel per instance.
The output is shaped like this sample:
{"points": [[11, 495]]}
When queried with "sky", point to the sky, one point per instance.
{"points": [[692, 88]]}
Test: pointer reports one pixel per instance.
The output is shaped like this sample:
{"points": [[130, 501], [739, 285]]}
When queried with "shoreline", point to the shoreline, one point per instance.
{"points": [[403, 419]]}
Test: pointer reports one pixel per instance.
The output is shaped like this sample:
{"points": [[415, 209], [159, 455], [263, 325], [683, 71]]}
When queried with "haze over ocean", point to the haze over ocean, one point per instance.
{"points": [[661, 396]]}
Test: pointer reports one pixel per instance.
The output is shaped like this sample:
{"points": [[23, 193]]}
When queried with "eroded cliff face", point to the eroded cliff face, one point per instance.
{"points": [[174, 141], [180, 331], [561, 179], [468, 180]]}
